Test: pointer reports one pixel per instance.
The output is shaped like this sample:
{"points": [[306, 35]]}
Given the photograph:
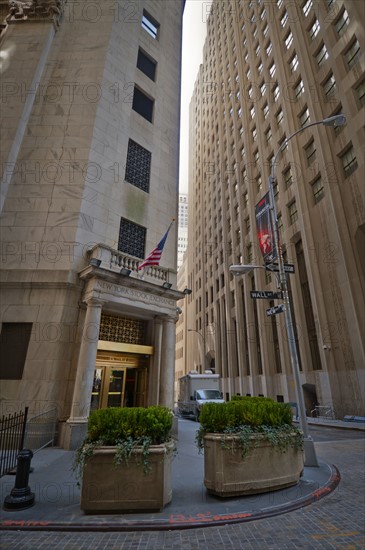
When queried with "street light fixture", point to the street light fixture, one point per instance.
{"points": [[309, 450]]}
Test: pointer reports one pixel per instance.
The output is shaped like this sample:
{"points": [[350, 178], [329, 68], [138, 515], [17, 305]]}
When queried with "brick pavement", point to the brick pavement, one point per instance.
{"points": [[335, 522]]}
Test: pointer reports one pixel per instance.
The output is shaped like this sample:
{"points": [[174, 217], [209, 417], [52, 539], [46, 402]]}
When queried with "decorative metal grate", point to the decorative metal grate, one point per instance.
{"points": [[132, 238], [120, 329], [138, 167]]}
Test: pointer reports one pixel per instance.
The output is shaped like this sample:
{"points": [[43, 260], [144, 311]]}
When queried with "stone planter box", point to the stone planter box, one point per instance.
{"points": [[264, 468], [125, 487]]}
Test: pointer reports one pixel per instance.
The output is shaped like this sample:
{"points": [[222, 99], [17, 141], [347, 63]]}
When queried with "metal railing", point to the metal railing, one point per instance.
{"points": [[40, 431], [12, 433], [323, 412]]}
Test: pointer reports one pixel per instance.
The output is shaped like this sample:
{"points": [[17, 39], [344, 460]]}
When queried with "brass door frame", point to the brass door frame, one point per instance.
{"points": [[105, 385], [106, 367]]}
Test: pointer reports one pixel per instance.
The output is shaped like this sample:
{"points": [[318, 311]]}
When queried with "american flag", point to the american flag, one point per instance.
{"points": [[155, 256]]}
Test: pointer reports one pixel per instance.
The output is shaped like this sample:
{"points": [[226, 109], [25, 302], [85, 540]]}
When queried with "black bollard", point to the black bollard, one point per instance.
{"points": [[20, 496]]}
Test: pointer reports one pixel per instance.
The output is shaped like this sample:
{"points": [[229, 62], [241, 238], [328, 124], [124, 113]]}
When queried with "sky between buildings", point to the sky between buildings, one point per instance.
{"points": [[194, 32]]}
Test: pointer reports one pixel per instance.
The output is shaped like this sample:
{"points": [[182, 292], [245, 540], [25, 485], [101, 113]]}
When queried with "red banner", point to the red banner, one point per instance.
{"points": [[265, 233]]}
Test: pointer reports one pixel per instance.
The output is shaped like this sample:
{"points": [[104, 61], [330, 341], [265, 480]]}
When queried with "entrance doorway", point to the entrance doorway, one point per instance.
{"points": [[119, 386]]}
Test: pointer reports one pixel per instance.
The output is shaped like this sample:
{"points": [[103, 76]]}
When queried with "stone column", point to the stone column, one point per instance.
{"points": [[77, 423], [154, 375], [167, 374]]}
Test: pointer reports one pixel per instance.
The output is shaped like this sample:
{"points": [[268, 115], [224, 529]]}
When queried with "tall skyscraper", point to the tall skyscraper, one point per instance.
{"points": [[90, 128], [182, 234], [271, 68]]}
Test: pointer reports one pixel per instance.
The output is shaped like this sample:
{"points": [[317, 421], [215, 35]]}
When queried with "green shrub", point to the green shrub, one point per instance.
{"points": [[126, 429], [244, 416]]}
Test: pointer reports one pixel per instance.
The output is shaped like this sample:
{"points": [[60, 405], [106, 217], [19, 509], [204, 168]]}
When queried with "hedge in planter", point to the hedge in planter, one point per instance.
{"points": [[250, 446], [125, 460]]}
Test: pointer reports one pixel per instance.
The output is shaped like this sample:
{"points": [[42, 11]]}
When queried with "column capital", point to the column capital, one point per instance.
{"points": [[94, 301]]}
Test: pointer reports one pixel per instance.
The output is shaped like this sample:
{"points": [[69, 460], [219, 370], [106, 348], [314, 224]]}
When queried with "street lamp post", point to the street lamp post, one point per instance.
{"points": [[309, 450], [202, 337]]}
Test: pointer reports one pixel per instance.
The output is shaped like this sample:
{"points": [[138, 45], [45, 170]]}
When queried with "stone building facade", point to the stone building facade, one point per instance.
{"points": [[270, 68], [90, 131]]}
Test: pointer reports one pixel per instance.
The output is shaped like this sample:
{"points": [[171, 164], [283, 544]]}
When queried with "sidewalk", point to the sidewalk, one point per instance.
{"points": [[57, 495]]}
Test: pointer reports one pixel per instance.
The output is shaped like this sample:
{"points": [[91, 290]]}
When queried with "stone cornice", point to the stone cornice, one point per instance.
{"points": [[21, 11]]}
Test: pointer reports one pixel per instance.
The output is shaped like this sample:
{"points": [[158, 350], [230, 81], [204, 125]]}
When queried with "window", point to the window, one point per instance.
{"points": [[293, 63], [256, 156], [14, 342], [266, 110], [279, 117], [322, 55], [254, 134], [280, 223], [257, 50], [132, 238], [258, 183], [272, 69], [266, 31], [268, 135], [307, 7], [304, 117], [342, 23], [279, 3], [252, 112], [314, 30], [293, 212], [260, 68], [284, 19], [352, 54], [310, 152], [245, 198], [263, 88], [288, 177], [138, 166], [318, 190], [146, 64], [299, 89], [360, 91], [276, 92], [349, 161], [149, 24], [268, 49], [329, 86], [288, 40], [142, 104]]}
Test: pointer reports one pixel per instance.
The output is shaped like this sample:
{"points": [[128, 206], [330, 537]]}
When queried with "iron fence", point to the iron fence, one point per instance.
{"points": [[41, 431], [12, 433]]}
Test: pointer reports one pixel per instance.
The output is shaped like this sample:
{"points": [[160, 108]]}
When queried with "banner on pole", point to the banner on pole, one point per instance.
{"points": [[265, 233]]}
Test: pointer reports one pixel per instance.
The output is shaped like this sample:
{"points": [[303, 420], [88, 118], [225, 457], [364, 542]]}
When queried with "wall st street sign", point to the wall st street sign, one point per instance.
{"points": [[288, 268], [267, 294], [275, 310]]}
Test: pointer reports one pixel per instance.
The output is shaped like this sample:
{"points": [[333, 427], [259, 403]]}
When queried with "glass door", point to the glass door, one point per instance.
{"points": [[113, 388], [96, 391]]}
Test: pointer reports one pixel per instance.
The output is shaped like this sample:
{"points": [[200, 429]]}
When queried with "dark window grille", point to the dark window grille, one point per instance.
{"points": [[132, 238], [142, 104], [138, 166], [14, 341], [146, 64]]}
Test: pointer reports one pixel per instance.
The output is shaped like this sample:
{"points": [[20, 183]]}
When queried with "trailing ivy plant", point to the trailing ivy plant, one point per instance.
{"points": [[125, 429], [244, 417]]}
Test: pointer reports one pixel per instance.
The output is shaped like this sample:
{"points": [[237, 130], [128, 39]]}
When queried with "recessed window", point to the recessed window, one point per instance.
{"points": [[307, 7], [149, 24], [256, 157], [342, 23], [146, 64], [288, 177], [349, 161], [272, 69], [322, 55], [263, 88], [138, 166], [314, 30], [288, 40], [318, 190], [276, 92], [268, 135], [360, 91], [14, 342], [352, 54], [266, 110], [252, 112], [299, 89], [293, 212], [293, 63], [284, 19], [268, 49], [279, 117], [304, 117], [132, 238], [142, 104], [254, 134], [266, 31], [329, 86], [310, 152]]}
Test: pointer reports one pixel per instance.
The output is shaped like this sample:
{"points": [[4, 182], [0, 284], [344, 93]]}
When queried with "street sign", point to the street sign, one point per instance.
{"points": [[288, 268], [275, 310], [268, 294]]}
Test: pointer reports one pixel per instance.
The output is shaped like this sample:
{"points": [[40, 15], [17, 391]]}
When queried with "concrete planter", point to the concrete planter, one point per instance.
{"points": [[264, 468], [126, 488]]}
